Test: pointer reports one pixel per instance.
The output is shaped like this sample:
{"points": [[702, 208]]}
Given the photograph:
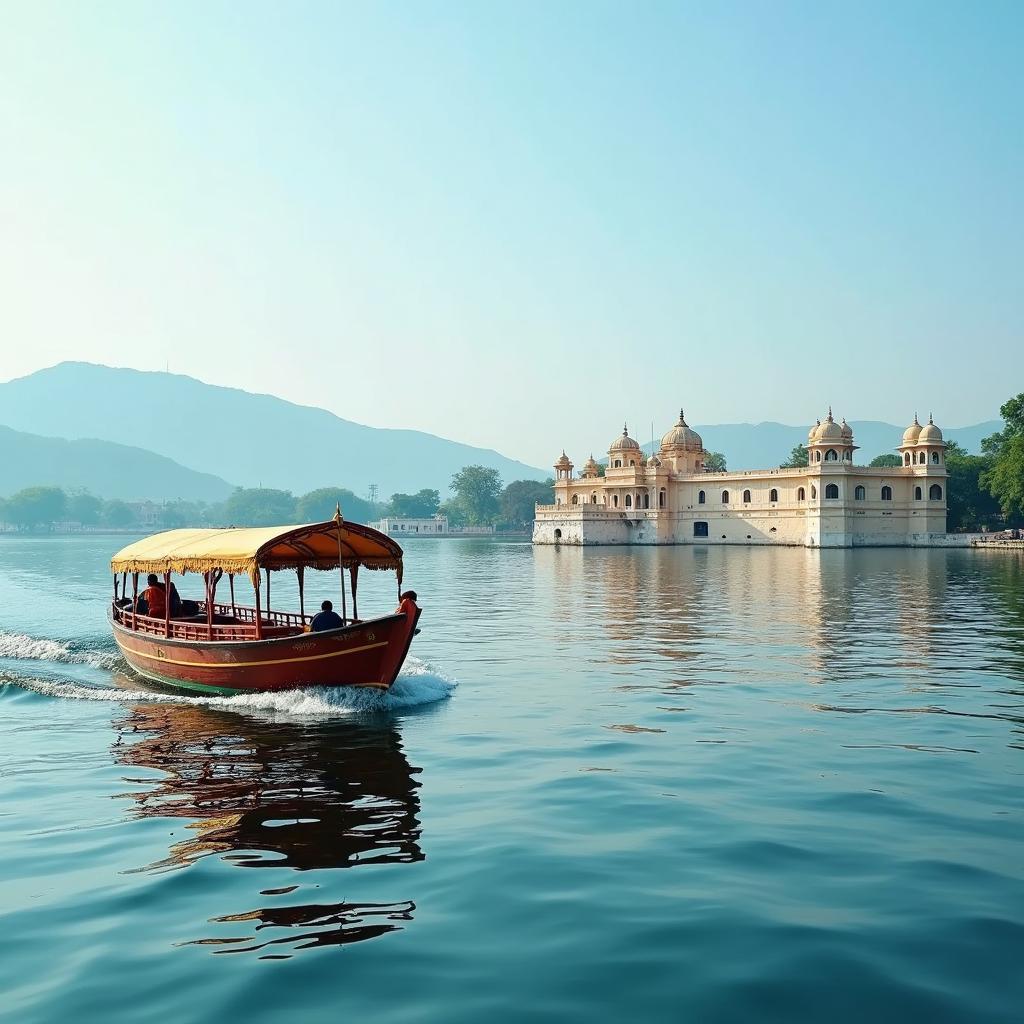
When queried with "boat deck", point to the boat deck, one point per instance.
{"points": [[230, 623]]}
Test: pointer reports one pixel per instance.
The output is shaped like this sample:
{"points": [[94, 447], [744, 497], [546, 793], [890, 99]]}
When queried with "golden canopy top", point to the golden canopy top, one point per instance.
{"points": [[247, 550]]}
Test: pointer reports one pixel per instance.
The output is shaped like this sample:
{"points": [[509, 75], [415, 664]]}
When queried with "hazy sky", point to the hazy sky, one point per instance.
{"points": [[517, 225]]}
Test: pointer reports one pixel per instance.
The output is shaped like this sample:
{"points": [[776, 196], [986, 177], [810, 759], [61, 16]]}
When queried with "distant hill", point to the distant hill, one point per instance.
{"points": [[251, 439], [107, 470]]}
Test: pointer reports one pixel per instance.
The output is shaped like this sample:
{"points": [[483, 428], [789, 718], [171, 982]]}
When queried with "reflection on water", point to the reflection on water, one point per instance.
{"points": [[264, 794]]}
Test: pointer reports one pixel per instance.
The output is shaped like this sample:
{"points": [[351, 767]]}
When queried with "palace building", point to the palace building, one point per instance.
{"points": [[671, 498]]}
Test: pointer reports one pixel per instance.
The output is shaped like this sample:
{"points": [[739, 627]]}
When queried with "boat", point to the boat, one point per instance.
{"points": [[223, 647]]}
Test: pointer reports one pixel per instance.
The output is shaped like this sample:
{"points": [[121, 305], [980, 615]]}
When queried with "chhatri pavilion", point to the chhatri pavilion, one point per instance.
{"points": [[672, 498]]}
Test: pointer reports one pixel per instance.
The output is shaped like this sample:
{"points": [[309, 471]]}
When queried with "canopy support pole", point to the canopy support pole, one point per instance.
{"points": [[269, 612], [135, 599], [167, 604], [231, 584], [341, 569], [354, 572], [259, 615], [302, 597], [208, 576]]}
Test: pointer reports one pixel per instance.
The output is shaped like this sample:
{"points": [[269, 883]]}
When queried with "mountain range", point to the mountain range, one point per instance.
{"points": [[68, 425], [251, 440]]}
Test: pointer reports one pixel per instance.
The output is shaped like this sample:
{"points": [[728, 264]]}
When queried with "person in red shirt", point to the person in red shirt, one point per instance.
{"points": [[407, 604], [156, 597]]}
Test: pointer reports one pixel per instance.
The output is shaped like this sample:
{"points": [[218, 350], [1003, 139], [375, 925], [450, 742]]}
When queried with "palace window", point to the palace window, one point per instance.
{"points": [[921, 458], [615, 501], [801, 494], [935, 458], [886, 493], [859, 494], [814, 492], [661, 498], [831, 491], [831, 456], [632, 462], [773, 495], [618, 464], [700, 529], [629, 501], [725, 497], [558, 534], [817, 456], [575, 499], [917, 494], [746, 497], [647, 500], [593, 498], [701, 497], [935, 493], [906, 458]]}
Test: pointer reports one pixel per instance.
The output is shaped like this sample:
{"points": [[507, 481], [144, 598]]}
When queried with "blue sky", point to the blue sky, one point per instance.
{"points": [[518, 225]]}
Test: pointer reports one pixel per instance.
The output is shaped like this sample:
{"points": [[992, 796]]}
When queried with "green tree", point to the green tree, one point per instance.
{"points": [[421, 505], [1004, 477], [969, 505], [36, 506], [519, 498], [476, 492], [3, 510], [318, 506], [888, 459], [797, 458], [261, 506], [455, 512], [117, 513], [84, 508], [714, 462]]}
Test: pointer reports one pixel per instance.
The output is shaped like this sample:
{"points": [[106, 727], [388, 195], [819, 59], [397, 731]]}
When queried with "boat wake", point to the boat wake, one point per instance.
{"points": [[20, 647], [418, 684]]}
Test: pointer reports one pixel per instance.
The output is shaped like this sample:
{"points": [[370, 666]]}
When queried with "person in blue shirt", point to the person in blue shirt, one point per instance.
{"points": [[326, 618]]}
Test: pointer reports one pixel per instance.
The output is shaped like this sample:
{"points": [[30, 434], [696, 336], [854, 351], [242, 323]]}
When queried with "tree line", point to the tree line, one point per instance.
{"points": [[478, 498]]}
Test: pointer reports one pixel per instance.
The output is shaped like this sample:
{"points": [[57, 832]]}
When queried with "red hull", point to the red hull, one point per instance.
{"points": [[368, 654]]}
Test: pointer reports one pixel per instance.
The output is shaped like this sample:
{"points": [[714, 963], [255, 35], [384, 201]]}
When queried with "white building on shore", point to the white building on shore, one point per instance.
{"points": [[406, 526], [670, 498]]}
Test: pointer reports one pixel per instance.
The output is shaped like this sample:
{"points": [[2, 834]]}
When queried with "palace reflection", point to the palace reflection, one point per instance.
{"points": [[265, 794]]}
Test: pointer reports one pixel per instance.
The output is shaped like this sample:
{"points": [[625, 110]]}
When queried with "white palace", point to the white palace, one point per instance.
{"points": [[670, 498]]}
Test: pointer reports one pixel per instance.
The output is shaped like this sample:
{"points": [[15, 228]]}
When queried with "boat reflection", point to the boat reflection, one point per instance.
{"points": [[265, 794]]}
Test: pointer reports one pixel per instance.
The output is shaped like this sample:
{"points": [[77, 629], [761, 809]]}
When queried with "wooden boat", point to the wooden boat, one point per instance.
{"points": [[227, 648]]}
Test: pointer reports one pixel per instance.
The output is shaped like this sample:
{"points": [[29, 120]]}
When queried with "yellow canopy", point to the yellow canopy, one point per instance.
{"points": [[247, 550]]}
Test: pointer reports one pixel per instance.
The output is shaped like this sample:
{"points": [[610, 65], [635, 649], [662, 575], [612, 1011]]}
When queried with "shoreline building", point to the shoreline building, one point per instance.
{"points": [[670, 498]]}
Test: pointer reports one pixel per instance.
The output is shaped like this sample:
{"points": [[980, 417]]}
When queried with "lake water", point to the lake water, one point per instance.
{"points": [[666, 785]]}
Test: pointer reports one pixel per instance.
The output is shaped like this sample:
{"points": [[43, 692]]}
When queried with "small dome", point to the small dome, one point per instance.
{"points": [[829, 430], [847, 430], [930, 434], [812, 434], [654, 462], [563, 462], [590, 467], [681, 436], [913, 432], [624, 443]]}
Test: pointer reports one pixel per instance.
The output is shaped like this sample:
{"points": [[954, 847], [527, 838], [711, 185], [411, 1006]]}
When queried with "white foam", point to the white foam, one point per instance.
{"points": [[19, 646], [418, 684]]}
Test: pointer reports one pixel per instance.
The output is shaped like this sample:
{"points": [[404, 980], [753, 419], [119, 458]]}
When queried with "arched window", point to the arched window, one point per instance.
{"points": [[575, 499], [593, 498], [831, 491], [615, 501], [886, 493], [629, 501], [700, 529], [773, 495], [831, 455], [632, 462], [817, 456], [814, 491], [859, 494], [701, 497], [746, 497], [661, 498], [725, 497], [921, 458], [935, 493], [917, 494], [935, 458], [847, 456], [647, 500], [801, 494], [558, 534], [906, 458], [618, 464]]}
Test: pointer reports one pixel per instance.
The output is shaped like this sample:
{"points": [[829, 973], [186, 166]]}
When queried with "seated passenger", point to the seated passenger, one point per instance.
{"points": [[407, 604], [176, 608], [156, 597], [326, 618]]}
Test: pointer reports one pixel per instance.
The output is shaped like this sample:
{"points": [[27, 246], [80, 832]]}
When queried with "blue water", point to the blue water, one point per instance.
{"points": [[676, 785]]}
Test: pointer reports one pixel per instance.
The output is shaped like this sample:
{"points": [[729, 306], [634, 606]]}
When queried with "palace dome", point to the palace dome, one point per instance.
{"points": [[681, 436], [590, 467], [930, 434], [654, 461], [563, 462], [829, 430], [624, 443], [812, 434], [847, 430], [913, 432]]}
